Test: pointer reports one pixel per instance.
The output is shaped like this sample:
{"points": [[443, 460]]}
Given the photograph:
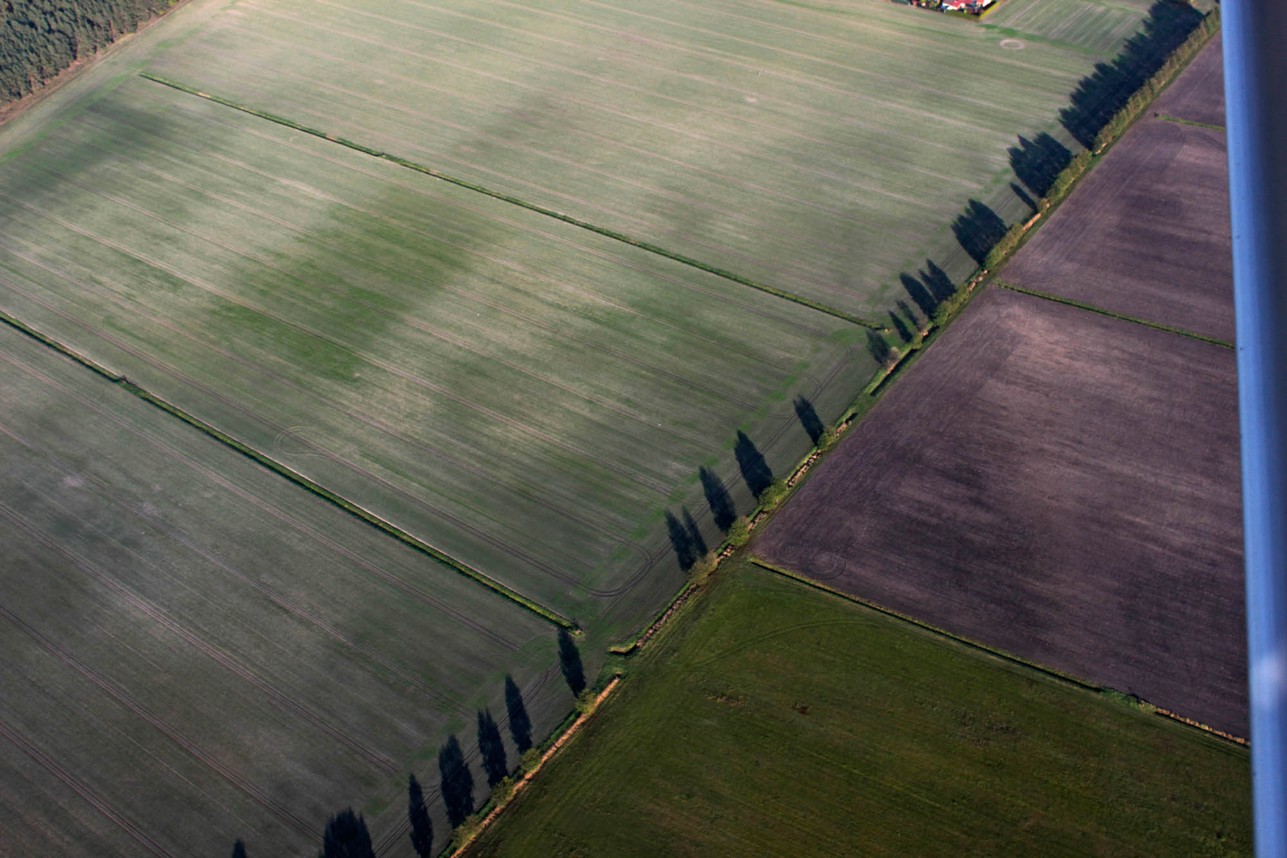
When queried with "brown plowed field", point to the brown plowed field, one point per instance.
{"points": [[1198, 94], [1147, 233], [1055, 483]]}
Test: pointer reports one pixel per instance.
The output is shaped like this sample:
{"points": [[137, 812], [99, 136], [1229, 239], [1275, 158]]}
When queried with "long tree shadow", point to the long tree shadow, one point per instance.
{"points": [[570, 663], [809, 419], [1039, 161], [879, 347], [239, 849], [905, 335], [1102, 94], [520, 725], [978, 229], [920, 296], [421, 832], [907, 313], [928, 289], [492, 748], [681, 541], [723, 511], [457, 782], [754, 467], [346, 836], [695, 537]]}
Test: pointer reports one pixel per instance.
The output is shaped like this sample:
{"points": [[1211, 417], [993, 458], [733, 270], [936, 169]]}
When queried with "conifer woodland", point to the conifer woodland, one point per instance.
{"points": [[40, 38]]}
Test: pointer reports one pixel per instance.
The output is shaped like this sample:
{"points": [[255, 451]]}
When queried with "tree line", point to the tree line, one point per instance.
{"points": [[346, 834], [40, 38]]}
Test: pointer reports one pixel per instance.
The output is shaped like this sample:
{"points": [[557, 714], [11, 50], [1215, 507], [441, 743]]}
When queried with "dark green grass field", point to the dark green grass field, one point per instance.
{"points": [[780, 720]]}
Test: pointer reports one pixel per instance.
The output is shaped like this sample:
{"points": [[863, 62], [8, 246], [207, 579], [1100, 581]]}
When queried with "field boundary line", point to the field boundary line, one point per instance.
{"points": [[1010, 658], [521, 203], [315, 488], [1166, 117], [575, 727], [1081, 305]]}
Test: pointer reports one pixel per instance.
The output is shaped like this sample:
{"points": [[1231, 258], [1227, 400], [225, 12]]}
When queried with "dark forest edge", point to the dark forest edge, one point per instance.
{"points": [[39, 39]]}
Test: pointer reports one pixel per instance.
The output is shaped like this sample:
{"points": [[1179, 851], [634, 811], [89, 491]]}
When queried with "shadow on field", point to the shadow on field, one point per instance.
{"points": [[686, 539], [570, 663], [1038, 163], [928, 288], [754, 467], [978, 229], [457, 782], [718, 499], [879, 347], [418, 818], [809, 419], [520, 725], [908, 313], [900, 326], [1099, 96], [491, 748], [1023, 196], [346, 836]]}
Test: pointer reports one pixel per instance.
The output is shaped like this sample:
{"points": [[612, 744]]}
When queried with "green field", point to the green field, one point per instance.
{"points": [[521, 394], [500, 280], [820, 148], [779, 720], [198, 651]]}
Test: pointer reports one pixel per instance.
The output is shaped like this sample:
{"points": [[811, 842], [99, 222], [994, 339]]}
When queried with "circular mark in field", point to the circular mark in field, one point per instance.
{"points": [[1012, 44]]}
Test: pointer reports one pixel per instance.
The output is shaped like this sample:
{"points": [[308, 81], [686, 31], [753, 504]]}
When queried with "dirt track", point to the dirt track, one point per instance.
{"points": [[1056, 484]]}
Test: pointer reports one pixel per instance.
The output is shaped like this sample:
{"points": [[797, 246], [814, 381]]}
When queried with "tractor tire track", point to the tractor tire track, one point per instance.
{"points": [[195, 751], [283, 701]]}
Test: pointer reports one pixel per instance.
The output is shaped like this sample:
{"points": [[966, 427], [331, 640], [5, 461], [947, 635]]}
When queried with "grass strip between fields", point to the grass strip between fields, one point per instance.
{"points": [[1081, 305], [996, 653], [512, 200], [299, 479], [1166, 117]]}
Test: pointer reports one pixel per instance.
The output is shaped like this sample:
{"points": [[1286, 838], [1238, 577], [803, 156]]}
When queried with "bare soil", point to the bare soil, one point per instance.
{"points": [[1147, 233], [1198, 94], [1056, 484]]}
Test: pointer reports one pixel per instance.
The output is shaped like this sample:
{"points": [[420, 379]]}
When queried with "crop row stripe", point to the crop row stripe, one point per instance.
{"points": [[503, 197], [294, 476]]}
